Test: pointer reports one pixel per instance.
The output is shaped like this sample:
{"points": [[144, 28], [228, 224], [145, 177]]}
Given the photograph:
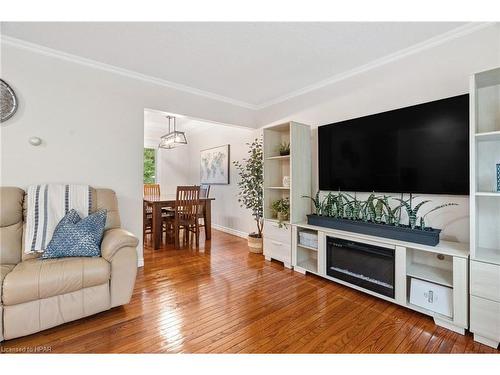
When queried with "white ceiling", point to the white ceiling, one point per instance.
{"points": [[252, 63]]}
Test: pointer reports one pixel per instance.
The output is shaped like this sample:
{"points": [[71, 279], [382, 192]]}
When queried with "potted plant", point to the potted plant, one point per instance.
{"points": [[281, 208], [250, 195], [284, 148], [374, 216]]}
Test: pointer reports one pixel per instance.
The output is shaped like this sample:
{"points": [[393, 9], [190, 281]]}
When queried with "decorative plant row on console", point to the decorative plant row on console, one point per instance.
{"points": [[375, 216]]}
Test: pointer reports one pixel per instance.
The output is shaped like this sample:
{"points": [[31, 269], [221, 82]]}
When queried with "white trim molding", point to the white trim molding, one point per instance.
{"points": [[14, 42], [464, 30], [140, 262], [461, 31], [232, 231]]}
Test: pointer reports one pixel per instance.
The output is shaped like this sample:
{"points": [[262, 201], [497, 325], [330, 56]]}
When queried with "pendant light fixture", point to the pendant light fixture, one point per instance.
{"points": [[172, 138]]}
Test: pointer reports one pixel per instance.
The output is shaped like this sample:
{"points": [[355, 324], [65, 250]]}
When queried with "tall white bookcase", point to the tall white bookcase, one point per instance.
{"points": [[297, 166], [485, 207]]}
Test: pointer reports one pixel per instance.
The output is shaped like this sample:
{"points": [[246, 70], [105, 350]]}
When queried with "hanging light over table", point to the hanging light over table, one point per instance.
{"points": [[172, 138]]}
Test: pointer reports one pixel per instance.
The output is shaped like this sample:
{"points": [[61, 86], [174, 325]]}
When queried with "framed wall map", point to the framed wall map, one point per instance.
{"points": [[214, 166]]}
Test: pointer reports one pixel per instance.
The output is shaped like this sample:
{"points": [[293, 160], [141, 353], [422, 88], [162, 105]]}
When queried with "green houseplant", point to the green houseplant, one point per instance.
{"points": [[281, 208], [250, 195], [375, 216], [284, 148]]}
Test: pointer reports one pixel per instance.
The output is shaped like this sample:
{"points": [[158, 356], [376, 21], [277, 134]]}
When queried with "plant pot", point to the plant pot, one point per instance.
{"points": [[282, 217], [428, 236], [284, 153], [254, 244]]}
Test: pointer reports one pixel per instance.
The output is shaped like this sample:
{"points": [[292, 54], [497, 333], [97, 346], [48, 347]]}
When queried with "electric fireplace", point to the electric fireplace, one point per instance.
{"points": [[367, 266]]}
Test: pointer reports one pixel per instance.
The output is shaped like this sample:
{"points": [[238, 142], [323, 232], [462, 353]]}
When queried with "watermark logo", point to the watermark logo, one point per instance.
{"points": [[26, 349]]}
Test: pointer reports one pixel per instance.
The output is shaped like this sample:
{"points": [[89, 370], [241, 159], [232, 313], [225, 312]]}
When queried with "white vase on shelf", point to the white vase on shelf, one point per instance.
{"points": [[286, 181]]}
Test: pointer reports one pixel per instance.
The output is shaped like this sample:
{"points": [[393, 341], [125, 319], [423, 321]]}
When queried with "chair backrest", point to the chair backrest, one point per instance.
{"points": [[102, 198], [151, 190], [187, 202], [11, 224], [204, 190], [13, 206]]}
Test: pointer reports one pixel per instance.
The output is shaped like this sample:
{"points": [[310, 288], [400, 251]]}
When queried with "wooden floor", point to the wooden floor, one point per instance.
{"points": [[222, 299]]}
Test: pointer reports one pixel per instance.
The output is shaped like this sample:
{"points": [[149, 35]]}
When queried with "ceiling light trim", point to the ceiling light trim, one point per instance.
{"points": [[33, 47], [419, 47]]}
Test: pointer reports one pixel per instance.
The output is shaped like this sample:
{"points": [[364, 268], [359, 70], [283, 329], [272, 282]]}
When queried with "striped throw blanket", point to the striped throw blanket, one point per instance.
{"points": [[47, 205]]}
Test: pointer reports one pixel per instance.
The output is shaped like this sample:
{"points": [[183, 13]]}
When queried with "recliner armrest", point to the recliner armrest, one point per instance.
{"points": [[115, 239]]}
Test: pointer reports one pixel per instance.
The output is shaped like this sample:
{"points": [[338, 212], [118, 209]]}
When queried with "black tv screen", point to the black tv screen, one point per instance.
{"points": [[419, 149]]}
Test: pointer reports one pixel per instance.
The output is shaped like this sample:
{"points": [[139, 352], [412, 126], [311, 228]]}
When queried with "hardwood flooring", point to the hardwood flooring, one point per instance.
{"points": [[222, 299]]}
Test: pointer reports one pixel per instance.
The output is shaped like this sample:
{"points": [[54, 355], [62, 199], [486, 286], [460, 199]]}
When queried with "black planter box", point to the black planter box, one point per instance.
{"points": [[429, 236]]}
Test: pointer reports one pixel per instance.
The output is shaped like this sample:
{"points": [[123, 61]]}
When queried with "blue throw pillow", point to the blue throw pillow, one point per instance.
{"points": [[77, 237]]}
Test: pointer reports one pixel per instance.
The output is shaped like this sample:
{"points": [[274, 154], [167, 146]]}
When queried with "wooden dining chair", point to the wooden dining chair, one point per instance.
{"points": [[185, 214], [147, 220], [147, 209], [204, 190], [151, 190], [204, 193]]}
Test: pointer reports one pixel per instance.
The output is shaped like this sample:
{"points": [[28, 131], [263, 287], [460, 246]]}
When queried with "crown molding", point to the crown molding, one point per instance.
{"points": [[461, 31], [124, 72]]}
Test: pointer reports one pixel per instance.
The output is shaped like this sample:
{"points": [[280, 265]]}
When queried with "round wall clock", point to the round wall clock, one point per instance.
{"points": [[8, 101]]}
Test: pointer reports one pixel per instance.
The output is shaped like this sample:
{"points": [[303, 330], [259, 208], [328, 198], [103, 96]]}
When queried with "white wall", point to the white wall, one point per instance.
{"points": [[91, 124], [431, 74], [226, 212]]}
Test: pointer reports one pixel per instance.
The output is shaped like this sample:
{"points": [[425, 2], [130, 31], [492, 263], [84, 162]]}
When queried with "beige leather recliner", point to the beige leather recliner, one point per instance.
{"points": [[37, 294]]}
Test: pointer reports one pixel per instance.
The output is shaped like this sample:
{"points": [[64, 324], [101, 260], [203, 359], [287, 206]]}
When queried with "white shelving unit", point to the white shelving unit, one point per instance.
{"points": [[305, 258], [487, 194], [485, 207], [488, 136], [310, 248], [445, 264], [278, 188], [429, 273], [297, 165], [285, 157]]}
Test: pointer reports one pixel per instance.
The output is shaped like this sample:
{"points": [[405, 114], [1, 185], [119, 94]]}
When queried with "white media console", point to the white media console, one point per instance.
{"points": [[446, 265]]}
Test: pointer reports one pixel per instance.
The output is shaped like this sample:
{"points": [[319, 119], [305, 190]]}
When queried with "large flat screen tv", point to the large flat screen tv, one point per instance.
{"points": [[419, 149]]}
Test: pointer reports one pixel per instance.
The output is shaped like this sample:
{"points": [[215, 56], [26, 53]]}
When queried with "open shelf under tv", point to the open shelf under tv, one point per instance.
{"points": [[445, 265]]}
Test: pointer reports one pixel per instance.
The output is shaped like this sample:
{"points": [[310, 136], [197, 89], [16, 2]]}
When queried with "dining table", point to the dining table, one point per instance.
{"points": [[157, 202]]}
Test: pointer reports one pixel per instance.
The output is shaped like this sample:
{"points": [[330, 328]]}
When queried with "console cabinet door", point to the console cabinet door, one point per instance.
{"points": [[485, 318], [274, 232], [485, 280], [278, 250]]}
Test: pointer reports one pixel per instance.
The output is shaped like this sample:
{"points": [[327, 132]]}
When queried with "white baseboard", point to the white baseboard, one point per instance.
{"points": [[232, 231], [140, 262]]}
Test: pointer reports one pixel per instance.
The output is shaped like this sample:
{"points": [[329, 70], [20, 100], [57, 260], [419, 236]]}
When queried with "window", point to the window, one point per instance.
{"points": [[149, 165]]}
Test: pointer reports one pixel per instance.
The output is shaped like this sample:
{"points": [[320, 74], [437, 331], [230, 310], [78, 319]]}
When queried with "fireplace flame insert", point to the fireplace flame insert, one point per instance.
{"points": [[367, 266]]}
